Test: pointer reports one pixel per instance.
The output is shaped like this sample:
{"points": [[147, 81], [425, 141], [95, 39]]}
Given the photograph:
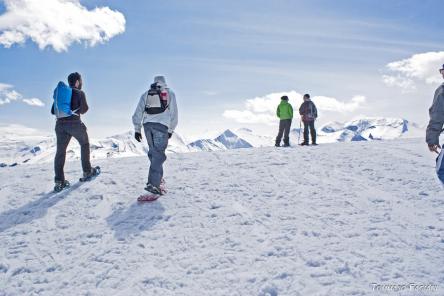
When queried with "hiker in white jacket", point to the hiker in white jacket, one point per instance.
{"points": [[157, 112]]}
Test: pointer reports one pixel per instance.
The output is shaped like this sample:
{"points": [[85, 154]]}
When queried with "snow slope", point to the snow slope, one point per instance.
{"points": [[326, 220], [255, 139], [206, 145], [19, 145]]}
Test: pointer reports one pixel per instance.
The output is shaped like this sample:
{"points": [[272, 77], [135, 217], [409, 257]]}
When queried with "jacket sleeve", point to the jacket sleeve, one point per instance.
{"points": [[301, 109], [173, 112], [315, 111], [139, 113], [436, 120], [278, 112], [83, 108], [52, 109], [291, 110]]}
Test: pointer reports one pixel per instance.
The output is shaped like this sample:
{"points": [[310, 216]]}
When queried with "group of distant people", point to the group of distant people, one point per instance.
{"points": [[157, 113], [308, 113]]}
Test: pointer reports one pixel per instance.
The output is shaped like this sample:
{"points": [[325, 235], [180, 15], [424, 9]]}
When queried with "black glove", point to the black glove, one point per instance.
{"points": [[169, 135], [138, 136]]}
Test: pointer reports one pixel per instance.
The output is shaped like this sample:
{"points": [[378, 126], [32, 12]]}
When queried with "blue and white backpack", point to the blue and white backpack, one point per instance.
{"points": [[62, 100]]}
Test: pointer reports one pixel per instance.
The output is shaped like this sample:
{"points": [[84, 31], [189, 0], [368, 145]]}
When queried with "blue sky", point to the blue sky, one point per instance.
{"points": [[218, 54]]}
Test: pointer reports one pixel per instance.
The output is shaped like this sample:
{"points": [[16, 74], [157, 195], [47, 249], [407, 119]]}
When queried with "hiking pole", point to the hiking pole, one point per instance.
{"points": [[300, 125]]}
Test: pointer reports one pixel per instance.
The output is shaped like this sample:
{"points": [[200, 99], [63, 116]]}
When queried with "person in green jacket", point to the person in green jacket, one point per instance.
{"points": [[285, 113]]}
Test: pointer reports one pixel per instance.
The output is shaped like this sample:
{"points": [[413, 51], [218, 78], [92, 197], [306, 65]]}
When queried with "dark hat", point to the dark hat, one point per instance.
{"points": [[284, 98]]}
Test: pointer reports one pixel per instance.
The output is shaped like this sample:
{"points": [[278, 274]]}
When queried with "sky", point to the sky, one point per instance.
{"points": [[227, 61]]}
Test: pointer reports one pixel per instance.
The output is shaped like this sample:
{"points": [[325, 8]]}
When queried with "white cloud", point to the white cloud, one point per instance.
{"points": [[57, 23], [421, 67], [406, 84], [262, 110], [246, 116], [334, 105], [8, 95], [34, 102]]}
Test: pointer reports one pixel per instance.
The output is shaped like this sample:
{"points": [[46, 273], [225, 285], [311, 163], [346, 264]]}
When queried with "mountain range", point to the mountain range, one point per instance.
{"points": [[19, 144]]}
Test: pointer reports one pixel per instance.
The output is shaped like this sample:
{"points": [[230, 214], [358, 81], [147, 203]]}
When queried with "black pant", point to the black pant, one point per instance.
{"points": [[284, 130], [309, 125], [65, 130]]}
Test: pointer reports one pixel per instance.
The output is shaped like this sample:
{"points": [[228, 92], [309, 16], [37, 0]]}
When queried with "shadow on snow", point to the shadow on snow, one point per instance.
{"points": [[128, 222], [33, 210]]}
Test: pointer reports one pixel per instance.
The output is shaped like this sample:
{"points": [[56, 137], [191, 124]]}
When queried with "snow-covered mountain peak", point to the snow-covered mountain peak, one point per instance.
{"points": [[231, 141], [369, 128]]}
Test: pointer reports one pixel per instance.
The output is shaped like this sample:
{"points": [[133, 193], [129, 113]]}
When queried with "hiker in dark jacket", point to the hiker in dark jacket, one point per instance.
{"points": [[285, 113], [434, 128], [72, 126], [309, 113]]}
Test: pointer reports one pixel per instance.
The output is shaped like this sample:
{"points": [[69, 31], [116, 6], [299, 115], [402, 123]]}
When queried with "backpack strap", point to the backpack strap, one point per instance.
{"points": [[74, 112], [56, 107]]}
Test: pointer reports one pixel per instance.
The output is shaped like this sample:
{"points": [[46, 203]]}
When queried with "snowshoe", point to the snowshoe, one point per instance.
{"points": [[304, 144], [60, 185], [314, 144], [89, 176], [149, 197], [153, 194]]}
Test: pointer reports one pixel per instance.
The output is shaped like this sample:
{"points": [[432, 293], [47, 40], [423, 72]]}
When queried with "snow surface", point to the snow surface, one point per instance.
{"points": [[326, 220]]}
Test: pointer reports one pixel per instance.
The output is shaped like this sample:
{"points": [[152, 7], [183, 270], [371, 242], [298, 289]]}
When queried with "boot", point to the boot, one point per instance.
{"points": [[60, 185], [89, 176], [153, 189]]}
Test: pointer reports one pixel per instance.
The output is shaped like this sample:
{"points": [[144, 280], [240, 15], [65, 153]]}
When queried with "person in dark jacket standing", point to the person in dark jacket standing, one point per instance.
{"points": [[309, 113], [72, 126], [285, 113], [435, 125]]}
